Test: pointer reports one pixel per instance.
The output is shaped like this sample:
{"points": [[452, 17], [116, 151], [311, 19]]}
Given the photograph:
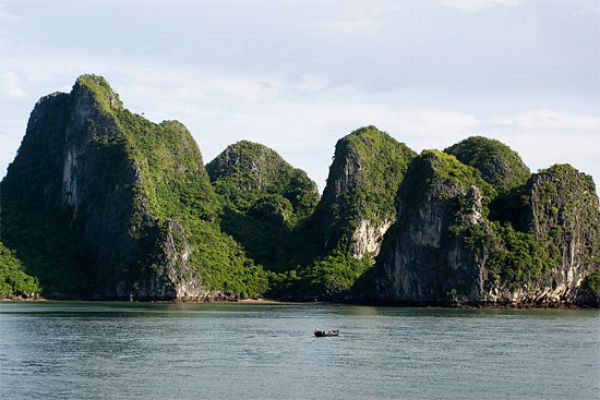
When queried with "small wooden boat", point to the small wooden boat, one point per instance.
{"points": [[323, 333]]}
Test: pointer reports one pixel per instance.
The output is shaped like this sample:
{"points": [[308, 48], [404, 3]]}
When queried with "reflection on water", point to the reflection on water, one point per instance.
{"points": [[191, 351]]}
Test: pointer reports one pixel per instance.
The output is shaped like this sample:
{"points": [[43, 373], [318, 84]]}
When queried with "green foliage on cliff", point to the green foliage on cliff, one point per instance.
{"points": [[174, 181], [591, 284], [336, 274], [248, 174], [13, 278], [513, 257], [264, 199], [498, 164], [367, 169], [99, 196], [103, 94], [175, 186], [434, 173], [447, 168]]}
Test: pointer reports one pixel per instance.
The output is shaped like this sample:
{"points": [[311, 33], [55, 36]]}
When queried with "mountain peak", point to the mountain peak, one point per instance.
{"points": [[101, 91], [498, 164]]}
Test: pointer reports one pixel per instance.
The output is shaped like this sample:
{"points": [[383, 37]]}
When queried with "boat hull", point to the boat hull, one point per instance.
{"points": [[321, 333]]}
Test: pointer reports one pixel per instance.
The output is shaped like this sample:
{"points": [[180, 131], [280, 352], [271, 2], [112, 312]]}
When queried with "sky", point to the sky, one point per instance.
{"points": [[297, 75]]}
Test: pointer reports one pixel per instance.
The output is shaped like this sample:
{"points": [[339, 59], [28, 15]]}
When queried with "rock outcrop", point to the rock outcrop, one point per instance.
{"points": [[344, 234], [102, 203], [444, 248], [426, 256], [562, 217], [357, 206], [247, 173], [498, 164]]}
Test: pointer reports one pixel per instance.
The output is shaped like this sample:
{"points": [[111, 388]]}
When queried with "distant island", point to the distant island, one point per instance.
{"points": [[102, 204]]}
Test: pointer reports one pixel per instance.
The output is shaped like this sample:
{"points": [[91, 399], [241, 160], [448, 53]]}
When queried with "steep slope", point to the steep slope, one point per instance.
{"points": [[426, 256], [444, 247], [265, 199], [357, 207], [501, 167], [563, 231], [102, 203]]}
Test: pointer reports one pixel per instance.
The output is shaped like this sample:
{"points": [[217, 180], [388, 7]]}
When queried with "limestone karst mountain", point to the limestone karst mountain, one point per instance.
{"points": [[447, 246], [101, 203], [265, 198], [344, 235]]}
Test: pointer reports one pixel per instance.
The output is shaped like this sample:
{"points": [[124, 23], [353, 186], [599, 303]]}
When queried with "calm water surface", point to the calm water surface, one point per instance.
{"points": [[224, 351]]}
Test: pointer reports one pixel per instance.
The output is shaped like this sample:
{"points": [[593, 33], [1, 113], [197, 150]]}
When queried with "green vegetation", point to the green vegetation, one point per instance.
{"points": [[13, 278], [498, 164], [367, 169], [175, 186], [591, 283], [101, 91], [514, 258], [265, 198], [336, 274], [248, 174], [99, 198], [447, 168]]}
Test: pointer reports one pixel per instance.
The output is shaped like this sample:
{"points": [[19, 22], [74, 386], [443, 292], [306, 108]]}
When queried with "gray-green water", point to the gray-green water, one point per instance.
{"points": [[224, 351]]}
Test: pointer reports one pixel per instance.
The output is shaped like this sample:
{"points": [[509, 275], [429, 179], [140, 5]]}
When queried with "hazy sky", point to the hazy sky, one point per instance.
{"points": [[298, 75]]}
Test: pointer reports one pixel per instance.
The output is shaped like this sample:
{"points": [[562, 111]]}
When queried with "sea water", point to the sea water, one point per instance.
{"points": [[69, 350]]}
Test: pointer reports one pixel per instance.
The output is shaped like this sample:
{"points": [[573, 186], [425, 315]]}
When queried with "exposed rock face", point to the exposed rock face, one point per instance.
{"points": [[357, 206], [425, 257], [367, 238], [443, 248], [563, 219], [76, 172]]}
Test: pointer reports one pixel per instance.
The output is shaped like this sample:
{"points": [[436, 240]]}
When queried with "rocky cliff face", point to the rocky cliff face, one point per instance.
{"points": [[344, 235], [444, 246], [357, 206], [562, 216], [426, 256], [115, 196]]}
